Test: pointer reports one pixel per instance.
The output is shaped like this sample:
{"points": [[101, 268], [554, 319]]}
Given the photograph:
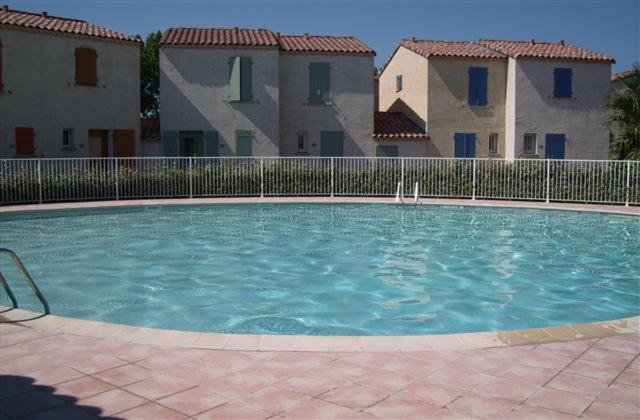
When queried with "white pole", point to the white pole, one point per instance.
{"points": [[39, 181], [626, 203], [416, 194], [190, 177], [399, 193], [262, 177], [548, 178]]}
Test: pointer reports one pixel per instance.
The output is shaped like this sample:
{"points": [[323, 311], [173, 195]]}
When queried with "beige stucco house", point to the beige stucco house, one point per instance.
{"points": [[253, 92], [68, 88], [511, 99]]}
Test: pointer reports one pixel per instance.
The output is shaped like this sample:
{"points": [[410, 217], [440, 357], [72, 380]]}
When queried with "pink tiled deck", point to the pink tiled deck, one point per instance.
{"points": [[47, 374]]}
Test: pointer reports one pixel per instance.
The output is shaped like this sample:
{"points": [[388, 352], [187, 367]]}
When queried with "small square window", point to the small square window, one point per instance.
{"points": [[398, 83], [493, 143], [67, 138], [302, 141], [530, 144]]}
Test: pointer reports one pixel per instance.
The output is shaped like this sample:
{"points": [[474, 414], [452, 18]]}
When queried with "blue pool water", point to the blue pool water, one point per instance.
{"points": [[329, 269]]}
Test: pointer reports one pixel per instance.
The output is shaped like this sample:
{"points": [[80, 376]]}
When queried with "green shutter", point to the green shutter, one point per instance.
{"points": [[170, 143], [244, 142], [325, 83], [314, 83], [331, 143], [246, 65], [211, 143], [234, 79], [387, 151]]}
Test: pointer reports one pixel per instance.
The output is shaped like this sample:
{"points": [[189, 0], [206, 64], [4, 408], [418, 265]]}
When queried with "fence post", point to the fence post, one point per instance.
{"points": [[190, 176], [473, 180], [115, 166], [548, 178], [262, 177], [626, 201], [332, 177], [39, 181], [402, 179]]}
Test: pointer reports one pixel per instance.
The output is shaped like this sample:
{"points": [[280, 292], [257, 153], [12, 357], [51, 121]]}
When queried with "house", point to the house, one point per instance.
{"points": [[509, 99], [68, 88], [253, 92]]}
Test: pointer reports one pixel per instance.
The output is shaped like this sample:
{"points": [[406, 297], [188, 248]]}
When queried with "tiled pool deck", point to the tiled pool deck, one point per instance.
{"points": [[56, 368]]}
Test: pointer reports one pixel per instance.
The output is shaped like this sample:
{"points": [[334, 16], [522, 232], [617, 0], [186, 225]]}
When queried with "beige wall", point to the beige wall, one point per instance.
{"points": [[40, 91], [350, 111], [449, 110], [581, 118], [412, 99], [406, 148], [194, 95]]}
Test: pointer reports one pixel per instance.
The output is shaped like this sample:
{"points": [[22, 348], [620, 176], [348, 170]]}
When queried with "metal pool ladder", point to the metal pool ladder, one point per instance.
{"points": [[27, 276]]}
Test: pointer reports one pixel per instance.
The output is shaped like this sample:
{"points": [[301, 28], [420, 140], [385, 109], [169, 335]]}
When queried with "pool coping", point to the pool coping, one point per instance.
{"points": [[267, 342]]}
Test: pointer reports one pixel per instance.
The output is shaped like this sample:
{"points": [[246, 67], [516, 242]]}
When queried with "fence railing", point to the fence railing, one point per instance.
{"points": [[51, 180]]}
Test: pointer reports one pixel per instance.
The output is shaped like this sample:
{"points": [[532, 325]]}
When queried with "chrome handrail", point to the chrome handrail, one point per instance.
{"points": [[27, 276]]}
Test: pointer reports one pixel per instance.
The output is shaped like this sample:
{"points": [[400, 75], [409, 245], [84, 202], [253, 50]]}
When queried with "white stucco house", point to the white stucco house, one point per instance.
{"points": [[254, 92], [493, 98], [68, 88]]}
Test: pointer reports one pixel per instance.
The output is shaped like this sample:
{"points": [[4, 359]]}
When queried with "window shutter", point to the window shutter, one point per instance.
{"points": [[470, 146], [325, 80], [477, 86], [93, 67], [124, 143], [554, 146], [315, 94], [86, 71], [460, 145], [211, 143], [246, 65], [170, 143], [244, 143], [234, 79], [562, 83], [331, 143], [482, 87], [24, 141]]}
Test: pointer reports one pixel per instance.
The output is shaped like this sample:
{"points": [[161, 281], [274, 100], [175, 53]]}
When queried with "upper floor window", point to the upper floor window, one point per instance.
{"points": [[562, 83], [398, 83], [493, 143], [67, 138], [240, 79], [478, 86], [302, 141], [319, 83], [86, 67], [530, 144]]}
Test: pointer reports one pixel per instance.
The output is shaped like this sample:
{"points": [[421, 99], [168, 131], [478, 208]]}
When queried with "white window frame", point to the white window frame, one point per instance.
{"points": [[529, 136], [67, 138], [303, 141], [399, 82], [494, 137]]}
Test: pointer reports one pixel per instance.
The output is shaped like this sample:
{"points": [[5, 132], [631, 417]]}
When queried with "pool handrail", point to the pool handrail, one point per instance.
{"points": [[27, 276]]}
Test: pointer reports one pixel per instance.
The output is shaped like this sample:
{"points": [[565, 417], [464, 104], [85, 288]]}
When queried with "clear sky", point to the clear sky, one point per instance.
{"points": [[610, 27]]}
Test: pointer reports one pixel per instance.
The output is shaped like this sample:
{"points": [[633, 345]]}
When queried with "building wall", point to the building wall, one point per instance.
{"points": [[350, 111], [581, 118], [40, 91], [412, 99], [449, 110], [194, 86], [407, 148]]}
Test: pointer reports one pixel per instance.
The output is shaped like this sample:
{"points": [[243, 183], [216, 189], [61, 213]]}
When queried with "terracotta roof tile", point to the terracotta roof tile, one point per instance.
{"points": [[218, 37], [396, 125], [44, 22], [537, 49], [428, 48], [622, 75], [323, 44]]}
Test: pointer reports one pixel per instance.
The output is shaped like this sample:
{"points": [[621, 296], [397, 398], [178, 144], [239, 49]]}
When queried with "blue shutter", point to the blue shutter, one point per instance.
{"points": [[554, 146], [478, 86], [170, 143], [460, 145], [562, 83], [470, 143]]}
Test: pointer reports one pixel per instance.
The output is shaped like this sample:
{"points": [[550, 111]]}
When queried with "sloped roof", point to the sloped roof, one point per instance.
{"points": [[396, 125], [428, 48], [262, 38], [546, 50], [219, 37], [622, 75], [44, 22]]}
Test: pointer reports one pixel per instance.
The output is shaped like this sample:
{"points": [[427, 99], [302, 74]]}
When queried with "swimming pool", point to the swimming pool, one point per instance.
{"points": [[328, 269]]}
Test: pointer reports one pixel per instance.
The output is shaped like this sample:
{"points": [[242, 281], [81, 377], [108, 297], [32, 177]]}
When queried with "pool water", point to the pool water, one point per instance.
{"points": [[328, 269]]}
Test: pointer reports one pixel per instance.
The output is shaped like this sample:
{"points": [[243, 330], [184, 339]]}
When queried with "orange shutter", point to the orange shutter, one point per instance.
{"points": [[124, 143], [24, 141], [86, 71]]}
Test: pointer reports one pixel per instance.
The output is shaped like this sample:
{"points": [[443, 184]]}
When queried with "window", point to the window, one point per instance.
{"points": [[398, 83], [331, 143], [67, 138], [386, 151], [25, 141], [86, 70], [562, 83], [319, 83], [493, 143], [302, 141], [465, 145], [240, 75], [477, 86], [244, 143], [530, 144]]}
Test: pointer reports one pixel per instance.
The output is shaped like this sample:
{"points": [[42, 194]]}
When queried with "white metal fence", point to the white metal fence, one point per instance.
{"points": [[50, 180]]}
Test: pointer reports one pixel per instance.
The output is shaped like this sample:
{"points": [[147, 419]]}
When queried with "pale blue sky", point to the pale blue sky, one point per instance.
{"points": [[610, 27]]}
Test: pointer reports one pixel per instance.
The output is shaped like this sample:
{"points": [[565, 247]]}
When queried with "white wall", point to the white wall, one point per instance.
{"points": [[40, 91]]}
